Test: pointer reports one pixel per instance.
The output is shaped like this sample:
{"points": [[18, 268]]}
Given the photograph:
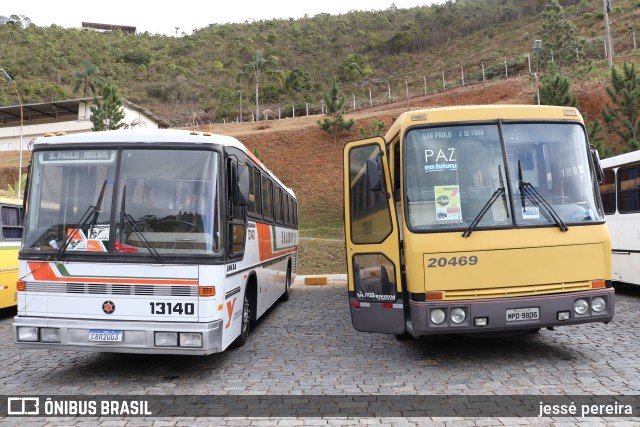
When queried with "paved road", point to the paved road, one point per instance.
{"points": [[308, 346]]}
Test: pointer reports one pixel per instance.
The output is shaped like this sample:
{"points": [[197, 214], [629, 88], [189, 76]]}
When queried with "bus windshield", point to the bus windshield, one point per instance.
{"points": [[166, 202], [456, 176]]}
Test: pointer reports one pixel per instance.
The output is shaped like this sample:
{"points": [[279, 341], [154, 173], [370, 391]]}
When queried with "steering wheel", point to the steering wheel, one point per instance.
{"points": [[178, 222]]}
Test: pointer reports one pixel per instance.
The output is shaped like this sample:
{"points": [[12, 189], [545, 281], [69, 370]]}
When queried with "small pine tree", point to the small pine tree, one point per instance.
{"points": [[555, 89], [594, 131], [622, 116], [559, 34], [108, 113], [375, 129], [335, 124]]}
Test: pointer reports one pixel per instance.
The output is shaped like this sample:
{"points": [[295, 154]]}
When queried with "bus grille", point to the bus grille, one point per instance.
{"points": [[516, 291], [113, 289]]}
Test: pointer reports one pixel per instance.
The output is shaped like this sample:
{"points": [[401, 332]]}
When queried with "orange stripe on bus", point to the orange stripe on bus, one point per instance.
{"points": [[43, 271], [264, 243]]}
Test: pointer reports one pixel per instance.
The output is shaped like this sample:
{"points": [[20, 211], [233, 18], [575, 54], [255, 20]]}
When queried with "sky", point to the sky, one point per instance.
{"points": [[188, 15]]}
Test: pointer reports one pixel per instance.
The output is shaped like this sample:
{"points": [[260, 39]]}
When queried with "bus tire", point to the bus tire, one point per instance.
{"points": [[246, 321], [287, 285]]}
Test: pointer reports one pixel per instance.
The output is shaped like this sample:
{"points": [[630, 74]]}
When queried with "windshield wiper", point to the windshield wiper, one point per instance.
{"points": [[529, 191], [499, 192], [91, 211], [125, 217]]}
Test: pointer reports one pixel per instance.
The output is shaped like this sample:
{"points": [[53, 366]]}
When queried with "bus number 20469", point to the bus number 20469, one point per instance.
{"points": [[187, 308], [453, 261]]}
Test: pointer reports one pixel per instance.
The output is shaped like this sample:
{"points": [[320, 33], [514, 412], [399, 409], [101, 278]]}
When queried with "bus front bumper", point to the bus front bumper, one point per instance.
{"points": [[135, 337], [510, 314]]}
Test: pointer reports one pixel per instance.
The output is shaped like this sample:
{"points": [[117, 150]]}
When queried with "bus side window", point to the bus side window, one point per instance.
{"points": [[629, 189], [11, 222], [267, 198], [237, 214], [608, 192], [278, 204]]}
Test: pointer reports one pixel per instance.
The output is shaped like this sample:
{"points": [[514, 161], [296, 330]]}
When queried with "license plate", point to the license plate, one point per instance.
{"points": [[520, 314], [103, 335]]}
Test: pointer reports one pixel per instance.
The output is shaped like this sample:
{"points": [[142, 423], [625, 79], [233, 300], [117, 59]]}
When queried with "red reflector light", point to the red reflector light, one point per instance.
{"points": [[598, 284], [387, 305], [433, 295], [21, 286], [355, 304]]}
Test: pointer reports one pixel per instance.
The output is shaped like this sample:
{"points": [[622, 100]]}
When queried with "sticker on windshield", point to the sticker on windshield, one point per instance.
{"points": [[439, 160], [79, 241], [100, 232], [530, 212], [447, 202]]}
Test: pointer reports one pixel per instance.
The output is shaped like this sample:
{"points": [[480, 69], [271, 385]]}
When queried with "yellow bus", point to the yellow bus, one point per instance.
{"points": [[10, 237], [476, 219]]}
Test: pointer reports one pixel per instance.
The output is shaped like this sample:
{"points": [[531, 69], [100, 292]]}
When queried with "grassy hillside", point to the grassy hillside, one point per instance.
{"points": [[200, 78]]}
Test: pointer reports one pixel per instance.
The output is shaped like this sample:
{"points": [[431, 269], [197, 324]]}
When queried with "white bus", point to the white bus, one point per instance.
{"points": [[620, 192], [167, 242]]}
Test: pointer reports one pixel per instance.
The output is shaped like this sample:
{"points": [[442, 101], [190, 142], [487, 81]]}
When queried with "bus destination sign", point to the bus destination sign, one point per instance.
{"points": [[93, 156]]}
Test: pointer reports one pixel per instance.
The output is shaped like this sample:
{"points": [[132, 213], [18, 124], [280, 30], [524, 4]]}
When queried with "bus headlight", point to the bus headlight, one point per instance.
{"points": [[458, 315], [27, 333], [190, 339], [598, 304], [50, 335], [166, 339], [580, 306], [437, 316]]}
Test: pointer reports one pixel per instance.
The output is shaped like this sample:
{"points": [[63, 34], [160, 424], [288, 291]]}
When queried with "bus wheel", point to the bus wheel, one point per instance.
{"points": [[246, 321], [287, 285]]}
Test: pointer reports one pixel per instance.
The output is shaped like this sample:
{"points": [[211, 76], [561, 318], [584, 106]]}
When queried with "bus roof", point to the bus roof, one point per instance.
{"points": [[148, 136], [621, 159], [467, 113]]}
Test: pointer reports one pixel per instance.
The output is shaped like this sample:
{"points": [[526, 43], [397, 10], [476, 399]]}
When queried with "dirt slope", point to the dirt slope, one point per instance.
{"points": [[307, 160]]}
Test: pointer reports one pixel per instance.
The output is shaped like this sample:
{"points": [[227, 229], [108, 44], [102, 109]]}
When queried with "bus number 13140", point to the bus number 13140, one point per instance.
{"points": [[187, 308]]}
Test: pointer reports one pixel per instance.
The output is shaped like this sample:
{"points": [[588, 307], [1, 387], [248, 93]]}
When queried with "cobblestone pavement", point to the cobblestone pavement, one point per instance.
{"points": [[308, 346]]}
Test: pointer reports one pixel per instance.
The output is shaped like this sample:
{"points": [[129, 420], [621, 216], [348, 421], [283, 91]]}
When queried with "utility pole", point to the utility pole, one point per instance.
{"points": [[607, 8], [240, 92]]}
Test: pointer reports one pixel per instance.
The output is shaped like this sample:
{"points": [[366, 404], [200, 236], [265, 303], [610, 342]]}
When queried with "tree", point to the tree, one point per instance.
{"points": [[108, 114], [335, 124], [87, 79], [375, 129], [559, 33], [298, 81], [555, 89], [254, 70], [622, 116], [21, 20], [594, 131]]}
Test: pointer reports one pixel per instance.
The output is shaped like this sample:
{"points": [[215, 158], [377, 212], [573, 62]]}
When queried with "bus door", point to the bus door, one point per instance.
{"points": [[371, 235]]}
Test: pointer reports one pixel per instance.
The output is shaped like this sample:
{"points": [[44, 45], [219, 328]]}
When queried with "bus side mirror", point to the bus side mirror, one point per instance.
{"points": [[374, 174], [243, 185], [595, 158]]}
